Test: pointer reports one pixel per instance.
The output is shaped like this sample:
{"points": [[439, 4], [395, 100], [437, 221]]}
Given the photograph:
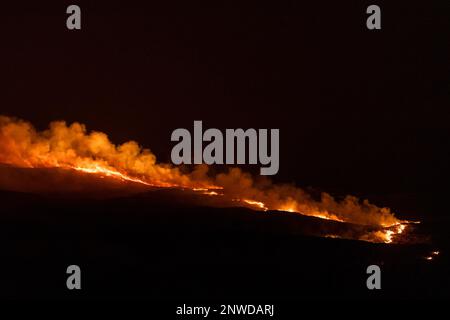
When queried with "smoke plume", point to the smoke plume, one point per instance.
{"points": [[73, 147]]}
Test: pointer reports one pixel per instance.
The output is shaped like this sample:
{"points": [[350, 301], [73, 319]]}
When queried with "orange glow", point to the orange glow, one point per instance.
{"points": [[73, 147], [211, 193], [258, 204], [109, 173], [393, 231]]}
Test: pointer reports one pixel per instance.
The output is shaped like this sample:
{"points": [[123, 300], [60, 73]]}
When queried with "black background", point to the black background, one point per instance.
{"points": [[359, 110]]}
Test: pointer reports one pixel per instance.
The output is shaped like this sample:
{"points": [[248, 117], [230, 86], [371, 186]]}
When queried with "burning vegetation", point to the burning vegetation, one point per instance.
{"points": [[72, 147]]}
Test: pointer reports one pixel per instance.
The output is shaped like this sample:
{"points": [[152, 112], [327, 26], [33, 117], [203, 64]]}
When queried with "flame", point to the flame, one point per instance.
{"points": [[392, 231], [258, 204], [73, 147], [322, 215], [109, 173], [433, 254]]}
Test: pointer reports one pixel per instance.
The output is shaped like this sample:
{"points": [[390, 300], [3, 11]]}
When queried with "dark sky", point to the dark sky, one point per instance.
{"points": [[357, 109]]}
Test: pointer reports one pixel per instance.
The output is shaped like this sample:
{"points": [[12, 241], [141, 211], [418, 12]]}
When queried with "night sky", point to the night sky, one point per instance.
{"points": [[358, 110]]}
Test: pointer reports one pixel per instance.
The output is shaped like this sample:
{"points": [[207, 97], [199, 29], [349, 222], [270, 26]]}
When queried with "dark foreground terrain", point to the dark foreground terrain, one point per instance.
{"points": [[158, 245]]}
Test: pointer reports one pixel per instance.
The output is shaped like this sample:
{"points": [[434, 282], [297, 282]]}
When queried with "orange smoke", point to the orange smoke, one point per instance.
{"points": [[72, 147]]}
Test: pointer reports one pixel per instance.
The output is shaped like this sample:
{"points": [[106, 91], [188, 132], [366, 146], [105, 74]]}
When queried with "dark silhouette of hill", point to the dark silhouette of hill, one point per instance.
{"points": [[162, 244]]}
